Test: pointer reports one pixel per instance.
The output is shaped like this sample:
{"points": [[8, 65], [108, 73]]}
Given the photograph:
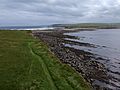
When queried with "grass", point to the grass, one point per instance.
{"points": [[27, 64]]}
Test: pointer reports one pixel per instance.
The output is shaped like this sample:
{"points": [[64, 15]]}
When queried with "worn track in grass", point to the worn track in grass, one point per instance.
{"points": [[27, 64]]}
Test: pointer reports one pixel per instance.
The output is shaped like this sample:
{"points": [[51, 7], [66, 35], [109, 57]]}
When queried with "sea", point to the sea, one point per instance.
{"points": [[108, 47], [41, 27]]}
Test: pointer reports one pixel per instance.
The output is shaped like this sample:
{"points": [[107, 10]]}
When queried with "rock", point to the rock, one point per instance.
{"points": [[78, 59]]}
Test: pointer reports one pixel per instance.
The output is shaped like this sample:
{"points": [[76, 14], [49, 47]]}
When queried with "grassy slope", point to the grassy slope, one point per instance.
{"points": [[27, 64]]}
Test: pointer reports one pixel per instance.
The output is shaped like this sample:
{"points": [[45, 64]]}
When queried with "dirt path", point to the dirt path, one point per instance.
{"points": [[44, 67]]}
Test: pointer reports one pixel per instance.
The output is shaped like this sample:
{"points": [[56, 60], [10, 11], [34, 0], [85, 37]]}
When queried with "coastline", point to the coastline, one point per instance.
{"points": [[78, 59]]}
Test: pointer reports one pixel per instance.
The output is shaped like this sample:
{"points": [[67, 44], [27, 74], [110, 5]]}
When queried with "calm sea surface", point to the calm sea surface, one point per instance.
{"points": [[108, 47], [42, 27]]}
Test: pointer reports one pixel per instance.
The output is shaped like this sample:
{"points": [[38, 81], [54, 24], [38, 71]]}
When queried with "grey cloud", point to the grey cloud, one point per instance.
{"points": [[34, 12]]}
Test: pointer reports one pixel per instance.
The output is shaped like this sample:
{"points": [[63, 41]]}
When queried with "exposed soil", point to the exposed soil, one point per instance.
{"points": [[82, 61]]}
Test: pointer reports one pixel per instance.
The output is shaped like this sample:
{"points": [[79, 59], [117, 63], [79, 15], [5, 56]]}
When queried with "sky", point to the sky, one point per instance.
{"points": [[44, 12]]}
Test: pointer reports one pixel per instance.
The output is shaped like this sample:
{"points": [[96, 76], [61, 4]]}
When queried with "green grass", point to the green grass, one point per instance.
{"points": [[27, 64]]}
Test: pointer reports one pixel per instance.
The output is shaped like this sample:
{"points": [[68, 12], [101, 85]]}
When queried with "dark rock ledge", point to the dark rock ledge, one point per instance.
{"points": [[81, 61]]}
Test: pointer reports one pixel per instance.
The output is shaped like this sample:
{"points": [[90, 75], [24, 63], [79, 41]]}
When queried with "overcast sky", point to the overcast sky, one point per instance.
{"points": [[38, 12]]}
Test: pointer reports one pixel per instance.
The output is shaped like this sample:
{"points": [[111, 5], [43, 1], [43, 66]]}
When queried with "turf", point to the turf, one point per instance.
{"points": [[27, 64]]}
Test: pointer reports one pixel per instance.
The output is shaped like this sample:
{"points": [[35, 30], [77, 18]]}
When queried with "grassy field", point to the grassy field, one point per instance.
{"points": [[27, 64]]}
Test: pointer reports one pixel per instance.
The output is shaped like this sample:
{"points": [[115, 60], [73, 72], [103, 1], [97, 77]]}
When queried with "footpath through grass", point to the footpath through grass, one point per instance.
{"points": [[27, 64]]}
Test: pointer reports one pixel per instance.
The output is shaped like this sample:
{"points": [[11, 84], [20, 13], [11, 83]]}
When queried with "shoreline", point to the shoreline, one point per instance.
{"points": [[78, 59]]}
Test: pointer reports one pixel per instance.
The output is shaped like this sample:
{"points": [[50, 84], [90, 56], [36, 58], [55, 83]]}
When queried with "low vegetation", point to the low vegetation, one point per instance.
{"points": [[90, 25], [27, 64]]}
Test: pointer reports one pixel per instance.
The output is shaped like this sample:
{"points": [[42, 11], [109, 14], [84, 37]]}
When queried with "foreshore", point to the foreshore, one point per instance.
{"points": [[80, 60]]}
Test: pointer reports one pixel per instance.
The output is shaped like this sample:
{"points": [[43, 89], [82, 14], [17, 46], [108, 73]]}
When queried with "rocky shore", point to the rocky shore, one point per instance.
{"points": [[83, 62]]}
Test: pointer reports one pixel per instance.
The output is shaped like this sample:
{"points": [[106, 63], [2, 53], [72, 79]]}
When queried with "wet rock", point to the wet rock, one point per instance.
{"points": [[81, 61]]}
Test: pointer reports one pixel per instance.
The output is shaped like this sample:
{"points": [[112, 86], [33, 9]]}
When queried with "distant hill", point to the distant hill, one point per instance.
{"points": [[89, 25]]}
